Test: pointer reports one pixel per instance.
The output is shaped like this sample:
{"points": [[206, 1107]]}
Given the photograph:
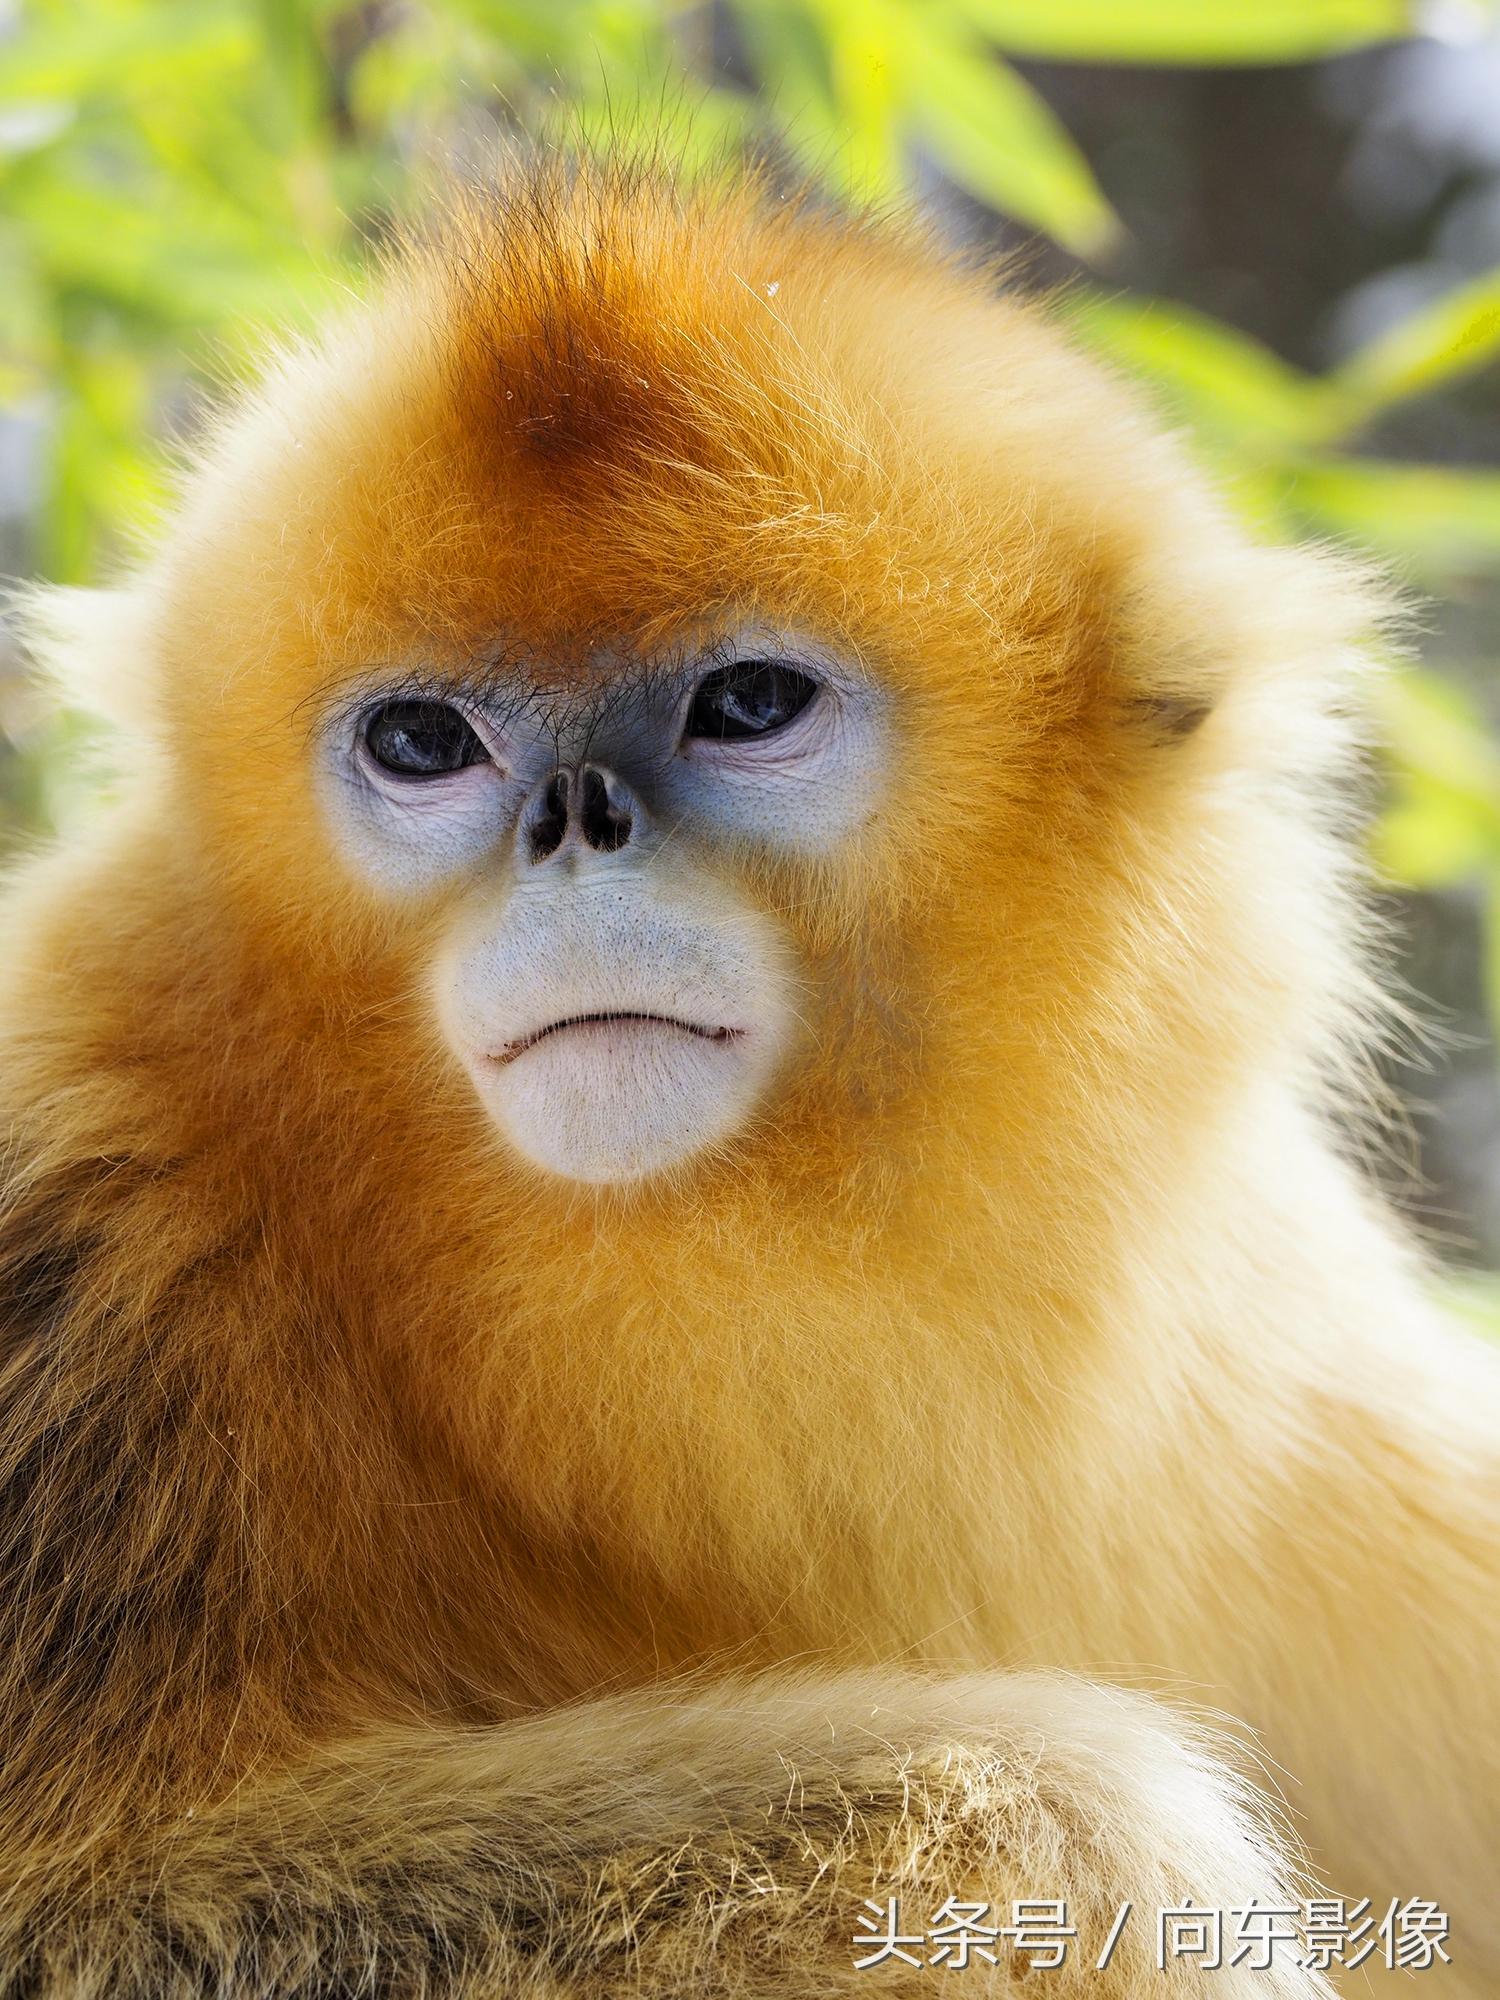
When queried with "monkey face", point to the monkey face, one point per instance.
{"points": [[616, 997], [720, 692]]}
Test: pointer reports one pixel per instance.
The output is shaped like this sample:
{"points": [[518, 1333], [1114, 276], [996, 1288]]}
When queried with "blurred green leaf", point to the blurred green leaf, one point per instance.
{"points": [[837, 73], [121, 50], [865, 46], [294, 55], [1000, 142], [1187, 31], [1442, 521], [1492, 946], [1437, 732], [790, 55], [1443, 825], [1474, 1296], [1429, 842], [1223, 381], [1423, 352]]}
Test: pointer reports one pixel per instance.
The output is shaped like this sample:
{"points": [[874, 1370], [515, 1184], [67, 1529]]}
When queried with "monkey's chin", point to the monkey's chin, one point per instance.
{"points": [[612, 1098]]}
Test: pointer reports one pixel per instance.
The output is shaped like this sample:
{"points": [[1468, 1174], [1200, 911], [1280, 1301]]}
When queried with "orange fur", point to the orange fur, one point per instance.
{"points": [[1036, 1321]]}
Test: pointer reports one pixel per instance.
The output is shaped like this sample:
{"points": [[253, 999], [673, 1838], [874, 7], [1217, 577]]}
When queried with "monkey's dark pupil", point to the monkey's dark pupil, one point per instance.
{"points": [[421, 739], [751, 698]]}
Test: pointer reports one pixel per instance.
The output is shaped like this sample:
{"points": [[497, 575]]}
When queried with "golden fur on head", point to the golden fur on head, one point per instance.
{"points": [[1013, 1325], [600, 413]]}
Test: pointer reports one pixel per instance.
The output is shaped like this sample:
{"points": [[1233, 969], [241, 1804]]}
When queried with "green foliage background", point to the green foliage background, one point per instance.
{"points": [[179, 176]]}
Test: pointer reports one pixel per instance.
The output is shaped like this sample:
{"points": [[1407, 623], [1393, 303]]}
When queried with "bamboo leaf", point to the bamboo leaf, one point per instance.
{"points": [[1456, 334], [1443, 826], [1428, 842], [866, 50], [1475, 1297], [1223, 380], [791, 58], [89, 49], [1492, 948], [1187, 31], [999, 140], [1440, 520], [1440, 742]]}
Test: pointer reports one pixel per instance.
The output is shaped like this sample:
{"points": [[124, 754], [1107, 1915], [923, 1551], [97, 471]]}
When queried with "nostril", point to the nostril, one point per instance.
{"points": [[606, 821], [601, 807], [549, 823]]}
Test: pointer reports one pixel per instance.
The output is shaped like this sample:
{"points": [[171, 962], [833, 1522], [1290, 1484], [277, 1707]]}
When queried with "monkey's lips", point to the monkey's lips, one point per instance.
{"points": [[612, 1093], [609, 1021], [618, 1025]]}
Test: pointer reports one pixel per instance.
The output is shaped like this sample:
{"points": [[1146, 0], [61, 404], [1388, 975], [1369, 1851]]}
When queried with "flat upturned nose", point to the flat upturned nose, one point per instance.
{"points": [[579, 806]]}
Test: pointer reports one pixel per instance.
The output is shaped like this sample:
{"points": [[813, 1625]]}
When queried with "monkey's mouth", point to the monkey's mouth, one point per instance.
{"points": [[510, 1050]]}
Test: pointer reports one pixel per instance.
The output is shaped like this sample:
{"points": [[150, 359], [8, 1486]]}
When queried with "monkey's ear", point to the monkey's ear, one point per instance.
{"points": [[1168, 718], [1167, 667], [90, 647]]}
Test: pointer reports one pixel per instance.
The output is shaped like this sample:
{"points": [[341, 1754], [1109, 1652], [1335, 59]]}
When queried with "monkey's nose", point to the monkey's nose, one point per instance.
{"points": [[587, 806]]}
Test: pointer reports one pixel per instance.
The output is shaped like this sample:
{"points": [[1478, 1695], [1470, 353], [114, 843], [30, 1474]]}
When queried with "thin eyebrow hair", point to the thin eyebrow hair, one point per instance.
{"points": [[481, 679], [504, 681], [460, 684]]}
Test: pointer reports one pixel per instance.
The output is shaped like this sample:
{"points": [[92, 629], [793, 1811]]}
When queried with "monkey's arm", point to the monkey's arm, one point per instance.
{"points": [[679, 1842]]}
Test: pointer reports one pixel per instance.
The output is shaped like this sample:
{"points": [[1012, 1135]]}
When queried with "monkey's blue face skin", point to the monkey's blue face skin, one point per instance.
{"points": [[618, 1003], [756, 738]]}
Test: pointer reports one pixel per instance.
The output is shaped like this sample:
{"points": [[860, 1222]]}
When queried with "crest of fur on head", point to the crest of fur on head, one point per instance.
{"points": [[701, 1034]]}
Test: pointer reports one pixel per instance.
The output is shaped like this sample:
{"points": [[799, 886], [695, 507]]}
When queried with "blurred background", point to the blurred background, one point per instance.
{"points": [[1282, 215]]}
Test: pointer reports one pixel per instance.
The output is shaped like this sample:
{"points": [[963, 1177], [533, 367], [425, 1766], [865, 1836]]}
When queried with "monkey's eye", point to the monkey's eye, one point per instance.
{"points": [[749, 698], [421, 739]]}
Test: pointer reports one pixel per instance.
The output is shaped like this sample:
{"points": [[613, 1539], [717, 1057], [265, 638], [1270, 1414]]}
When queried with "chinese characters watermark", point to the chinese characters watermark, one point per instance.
{"points": [[1325, 1934]]}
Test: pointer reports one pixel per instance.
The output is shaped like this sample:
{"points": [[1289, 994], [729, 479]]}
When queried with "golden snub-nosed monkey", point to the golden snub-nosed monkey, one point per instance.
{"points": [[673, 1254]]}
